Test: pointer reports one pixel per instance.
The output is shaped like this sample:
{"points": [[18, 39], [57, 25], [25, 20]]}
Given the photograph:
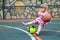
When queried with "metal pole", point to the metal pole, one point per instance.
{"points": [[41, 1], [3, 17]]}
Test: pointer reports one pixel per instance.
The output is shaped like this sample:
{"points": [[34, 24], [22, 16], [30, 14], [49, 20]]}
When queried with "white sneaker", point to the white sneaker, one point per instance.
{"points": [[37, 33], [24, 23]]}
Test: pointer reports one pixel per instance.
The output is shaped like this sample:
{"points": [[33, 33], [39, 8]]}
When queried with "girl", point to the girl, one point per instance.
{"points": [[39, 19]]}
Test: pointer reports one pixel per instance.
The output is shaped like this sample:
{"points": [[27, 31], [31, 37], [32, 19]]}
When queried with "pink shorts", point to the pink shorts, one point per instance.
{"points": [[40, 21]]}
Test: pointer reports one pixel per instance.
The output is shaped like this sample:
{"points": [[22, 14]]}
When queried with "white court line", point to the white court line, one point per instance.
{"points": [[32, 37]]}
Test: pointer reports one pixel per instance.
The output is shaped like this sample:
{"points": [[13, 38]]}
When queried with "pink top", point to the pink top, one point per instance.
{"points": [[39, 19]]}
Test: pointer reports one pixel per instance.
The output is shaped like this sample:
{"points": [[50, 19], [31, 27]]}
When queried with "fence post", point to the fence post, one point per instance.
{"points": [[3, 17], [41, 1]]}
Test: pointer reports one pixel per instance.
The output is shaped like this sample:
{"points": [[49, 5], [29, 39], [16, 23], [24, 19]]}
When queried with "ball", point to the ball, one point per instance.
{"points": [[32, 29], [46, 17]]}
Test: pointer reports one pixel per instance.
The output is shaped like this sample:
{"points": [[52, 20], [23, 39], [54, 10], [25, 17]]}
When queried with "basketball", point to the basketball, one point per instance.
{"points": [[46, 17], [32, 29]]}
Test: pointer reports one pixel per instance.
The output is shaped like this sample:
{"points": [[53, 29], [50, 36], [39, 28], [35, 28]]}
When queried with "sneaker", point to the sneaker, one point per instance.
{"points": [[37, 33], [24, 23]]}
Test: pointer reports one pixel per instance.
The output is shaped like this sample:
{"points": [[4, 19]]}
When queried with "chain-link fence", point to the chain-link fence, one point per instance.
{"points": [[14, 9]]}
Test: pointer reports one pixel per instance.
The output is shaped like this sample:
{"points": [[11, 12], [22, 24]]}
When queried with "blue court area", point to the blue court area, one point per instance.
{"points": [[14, 30]]}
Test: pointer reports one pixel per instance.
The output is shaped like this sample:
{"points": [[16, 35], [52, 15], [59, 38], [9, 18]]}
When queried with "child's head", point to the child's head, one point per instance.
{"points": [[43, 7]]}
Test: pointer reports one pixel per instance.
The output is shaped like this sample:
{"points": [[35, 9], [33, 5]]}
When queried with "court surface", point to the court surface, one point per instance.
{"points": [[14, 30]]}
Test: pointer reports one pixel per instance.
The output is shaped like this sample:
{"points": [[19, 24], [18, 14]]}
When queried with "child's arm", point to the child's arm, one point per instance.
{"points": [[39, 13]]}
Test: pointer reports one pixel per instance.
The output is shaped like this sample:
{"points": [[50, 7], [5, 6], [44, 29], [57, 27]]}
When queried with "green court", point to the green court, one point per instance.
{"points": [[14, 30]]}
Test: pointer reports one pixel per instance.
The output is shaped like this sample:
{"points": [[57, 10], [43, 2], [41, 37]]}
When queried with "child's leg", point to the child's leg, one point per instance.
{"points": [[39, 29], [31, 22]]}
